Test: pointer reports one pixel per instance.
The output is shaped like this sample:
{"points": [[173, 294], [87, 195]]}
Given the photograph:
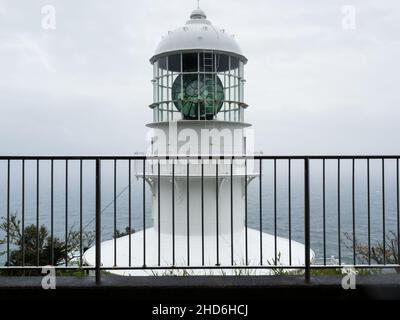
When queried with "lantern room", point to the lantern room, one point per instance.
{"points": [[198, 74]]}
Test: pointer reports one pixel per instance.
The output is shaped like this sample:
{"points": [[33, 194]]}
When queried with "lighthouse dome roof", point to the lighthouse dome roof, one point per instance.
{"points": [[198, 34]]}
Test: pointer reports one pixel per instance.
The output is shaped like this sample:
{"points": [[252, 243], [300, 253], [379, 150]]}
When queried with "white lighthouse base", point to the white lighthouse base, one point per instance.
{"points": [[195, 245]]}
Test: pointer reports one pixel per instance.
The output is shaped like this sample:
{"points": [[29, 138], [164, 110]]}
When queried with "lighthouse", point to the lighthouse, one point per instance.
{"points": [[198, 110], [199, 162]]}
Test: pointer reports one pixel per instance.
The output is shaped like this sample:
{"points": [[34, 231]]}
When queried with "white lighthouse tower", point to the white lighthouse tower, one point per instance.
{"points": [[200, 161], [198, 109]]}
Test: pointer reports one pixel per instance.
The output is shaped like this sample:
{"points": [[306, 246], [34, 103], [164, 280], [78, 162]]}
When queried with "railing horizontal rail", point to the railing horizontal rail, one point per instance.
{"points": [[280, 267], [204, 157]]}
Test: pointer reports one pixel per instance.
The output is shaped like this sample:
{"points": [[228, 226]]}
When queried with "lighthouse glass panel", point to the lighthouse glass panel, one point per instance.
{"points": [[198, 86]]}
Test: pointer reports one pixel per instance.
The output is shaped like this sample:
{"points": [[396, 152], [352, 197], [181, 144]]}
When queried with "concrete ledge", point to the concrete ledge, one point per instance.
{"points": [[202, 288]]}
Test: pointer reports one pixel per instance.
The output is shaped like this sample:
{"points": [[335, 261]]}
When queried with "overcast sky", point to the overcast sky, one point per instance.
{"points": [[313, 86]]}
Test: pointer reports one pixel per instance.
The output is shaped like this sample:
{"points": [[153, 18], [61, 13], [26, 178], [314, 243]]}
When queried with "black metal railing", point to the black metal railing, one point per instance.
{"points": [[346, 206]]}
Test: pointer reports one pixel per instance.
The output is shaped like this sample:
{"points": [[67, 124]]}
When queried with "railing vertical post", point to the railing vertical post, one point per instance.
{"points": [[98, 221], [307, 218]]}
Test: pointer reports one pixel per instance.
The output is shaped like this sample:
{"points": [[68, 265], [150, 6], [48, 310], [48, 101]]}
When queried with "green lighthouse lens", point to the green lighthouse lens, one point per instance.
{"points": [[198, 97]]}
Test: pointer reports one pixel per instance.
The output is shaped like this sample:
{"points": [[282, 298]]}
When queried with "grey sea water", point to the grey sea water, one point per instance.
{"points": [[378, 208]]}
